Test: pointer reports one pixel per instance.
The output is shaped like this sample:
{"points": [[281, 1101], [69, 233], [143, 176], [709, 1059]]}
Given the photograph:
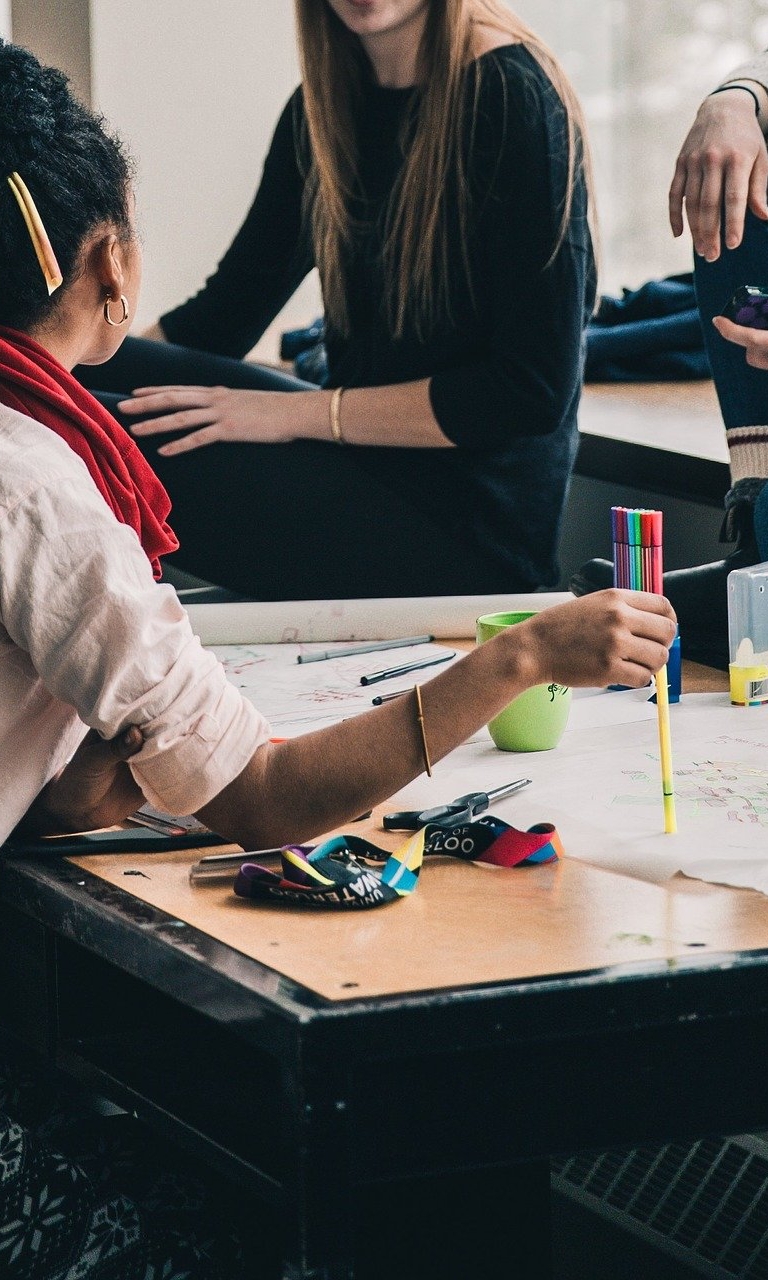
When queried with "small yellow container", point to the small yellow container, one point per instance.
{"points": [[749, 685]]}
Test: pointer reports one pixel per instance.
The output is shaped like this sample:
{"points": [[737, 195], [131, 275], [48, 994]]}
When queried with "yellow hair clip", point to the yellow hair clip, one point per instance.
{"points": [[37, 233]]}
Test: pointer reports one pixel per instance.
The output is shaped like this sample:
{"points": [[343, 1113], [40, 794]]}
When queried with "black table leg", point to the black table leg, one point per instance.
{"points": [[489, 1224]]}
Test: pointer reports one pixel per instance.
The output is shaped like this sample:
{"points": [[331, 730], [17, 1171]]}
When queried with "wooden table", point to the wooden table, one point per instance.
{"points": [[667, 437], [392, 1083]]}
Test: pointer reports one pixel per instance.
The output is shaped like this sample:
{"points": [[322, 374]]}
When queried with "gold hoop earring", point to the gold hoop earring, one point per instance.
{"points": [[124, 316]]}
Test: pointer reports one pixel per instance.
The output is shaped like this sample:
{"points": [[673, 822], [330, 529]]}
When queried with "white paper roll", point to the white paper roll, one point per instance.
{"points": [[291, 621]]}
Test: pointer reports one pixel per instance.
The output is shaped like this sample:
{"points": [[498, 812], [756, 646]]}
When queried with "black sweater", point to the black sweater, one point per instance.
{"points": [[505, 371]]}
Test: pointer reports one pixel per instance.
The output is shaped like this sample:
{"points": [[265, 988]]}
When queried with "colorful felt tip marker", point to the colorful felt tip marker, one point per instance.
{"points": [[387, 697], [638, 565]]}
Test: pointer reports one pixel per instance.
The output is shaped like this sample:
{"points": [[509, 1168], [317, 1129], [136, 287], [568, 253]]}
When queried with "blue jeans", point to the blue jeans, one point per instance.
{"points": [[761, 523], [741, 390]]}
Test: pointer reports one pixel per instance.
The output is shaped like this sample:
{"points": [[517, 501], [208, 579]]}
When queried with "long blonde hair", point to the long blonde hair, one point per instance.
{"points": [[416, 249]]}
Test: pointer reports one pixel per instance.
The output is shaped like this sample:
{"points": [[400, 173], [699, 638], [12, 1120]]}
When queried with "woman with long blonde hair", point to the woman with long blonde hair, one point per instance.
{"points": [[432, 166]]}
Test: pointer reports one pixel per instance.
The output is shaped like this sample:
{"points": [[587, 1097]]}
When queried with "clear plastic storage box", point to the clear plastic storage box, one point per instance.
{"points": [[748, 635]]}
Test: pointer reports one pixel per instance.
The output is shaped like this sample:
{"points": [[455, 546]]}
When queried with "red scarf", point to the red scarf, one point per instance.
{"points": [[35, 384]]}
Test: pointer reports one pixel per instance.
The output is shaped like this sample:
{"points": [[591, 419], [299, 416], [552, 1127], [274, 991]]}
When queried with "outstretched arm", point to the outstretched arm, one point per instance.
{"points": [[294, 790], [116, 647], [399, 415]]}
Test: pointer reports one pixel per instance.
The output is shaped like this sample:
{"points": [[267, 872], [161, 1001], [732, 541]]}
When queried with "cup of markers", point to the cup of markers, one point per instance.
{"points": [[638, 565]]}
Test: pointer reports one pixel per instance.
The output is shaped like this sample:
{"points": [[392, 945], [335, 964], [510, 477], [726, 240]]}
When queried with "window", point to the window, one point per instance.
{"points": [[641, 67]]}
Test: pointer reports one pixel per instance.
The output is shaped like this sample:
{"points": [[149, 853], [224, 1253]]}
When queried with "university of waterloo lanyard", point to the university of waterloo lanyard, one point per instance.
{"points": [[346, 871]]}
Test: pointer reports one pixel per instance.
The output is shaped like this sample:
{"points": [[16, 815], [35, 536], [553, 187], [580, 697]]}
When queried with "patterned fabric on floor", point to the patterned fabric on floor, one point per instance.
{"points": [[85, 1196]]}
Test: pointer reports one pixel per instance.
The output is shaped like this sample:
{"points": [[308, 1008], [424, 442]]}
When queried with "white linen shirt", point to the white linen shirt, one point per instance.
{"points": [[88, 638]]}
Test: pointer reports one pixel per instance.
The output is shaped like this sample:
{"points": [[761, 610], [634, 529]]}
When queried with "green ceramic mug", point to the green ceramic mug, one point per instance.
{"points": [[536, 719]]}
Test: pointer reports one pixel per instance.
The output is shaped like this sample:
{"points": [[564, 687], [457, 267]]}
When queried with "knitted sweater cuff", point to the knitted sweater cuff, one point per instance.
{"points": [[756, 69]]}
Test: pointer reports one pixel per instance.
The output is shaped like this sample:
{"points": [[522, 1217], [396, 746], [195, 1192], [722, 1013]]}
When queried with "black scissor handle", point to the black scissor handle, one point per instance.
{"points": [[462, 809], [412, 819], [401, 820]]}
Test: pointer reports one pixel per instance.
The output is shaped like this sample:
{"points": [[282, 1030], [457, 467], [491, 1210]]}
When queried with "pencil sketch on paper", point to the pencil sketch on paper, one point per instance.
{"points": [[297, 698]]}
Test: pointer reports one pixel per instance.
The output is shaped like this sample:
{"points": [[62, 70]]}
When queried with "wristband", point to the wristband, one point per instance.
{"points": [[342, 872], [745, 88]]}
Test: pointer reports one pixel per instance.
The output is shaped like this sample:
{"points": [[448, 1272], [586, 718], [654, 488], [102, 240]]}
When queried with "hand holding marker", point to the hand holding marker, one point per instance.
{"points": [[637, 561]]}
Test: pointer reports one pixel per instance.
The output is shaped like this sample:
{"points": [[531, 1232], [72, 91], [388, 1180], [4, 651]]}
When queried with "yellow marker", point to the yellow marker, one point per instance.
{"points": [[665, 751]]}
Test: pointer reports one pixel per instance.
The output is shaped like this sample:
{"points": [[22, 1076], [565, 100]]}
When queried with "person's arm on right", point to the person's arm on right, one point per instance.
{"points": [[723, 163]]}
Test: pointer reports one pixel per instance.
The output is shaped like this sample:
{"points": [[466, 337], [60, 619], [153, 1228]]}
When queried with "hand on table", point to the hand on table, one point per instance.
{"points": [[213, 414], [723, 163], [95, 789], [754, 341], [608, 637]]}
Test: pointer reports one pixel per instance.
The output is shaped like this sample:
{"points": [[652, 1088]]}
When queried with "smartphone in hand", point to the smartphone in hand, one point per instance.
{"points": [[748, 307]]}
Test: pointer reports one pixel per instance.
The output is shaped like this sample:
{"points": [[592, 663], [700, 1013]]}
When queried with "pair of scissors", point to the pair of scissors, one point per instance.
{"points": [[462, 809]]}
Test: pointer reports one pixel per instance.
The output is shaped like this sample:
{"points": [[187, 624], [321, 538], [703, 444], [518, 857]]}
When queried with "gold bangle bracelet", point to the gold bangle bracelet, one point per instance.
{"points": [[336, 433], [422, 731]]}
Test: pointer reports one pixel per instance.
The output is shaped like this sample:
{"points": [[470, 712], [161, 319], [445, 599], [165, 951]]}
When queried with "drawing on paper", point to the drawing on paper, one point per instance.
{"points": [[736, 788], [295, 697]]}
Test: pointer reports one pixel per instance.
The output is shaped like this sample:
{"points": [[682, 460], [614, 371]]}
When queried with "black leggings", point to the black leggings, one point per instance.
{"points": [[298, 521]]}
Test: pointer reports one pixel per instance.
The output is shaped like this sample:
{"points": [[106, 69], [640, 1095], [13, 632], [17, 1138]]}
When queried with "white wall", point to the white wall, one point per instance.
{"points": [[58, 33], [195, 88], [641, 68], [5, 19]]}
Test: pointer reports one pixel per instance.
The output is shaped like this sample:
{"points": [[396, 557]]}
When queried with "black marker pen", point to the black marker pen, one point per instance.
{"points": [[387, 697], [403, 671]]}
